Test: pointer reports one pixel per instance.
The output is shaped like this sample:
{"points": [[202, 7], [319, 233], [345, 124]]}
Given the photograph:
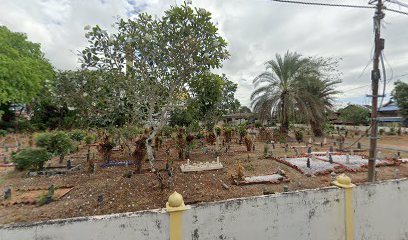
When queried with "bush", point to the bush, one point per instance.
{"points": [[44, 140], [77, 135], [299, 135], [90, 138], [218, 131], [3, 133], [31, 158], [258, 124], [57, 143]]}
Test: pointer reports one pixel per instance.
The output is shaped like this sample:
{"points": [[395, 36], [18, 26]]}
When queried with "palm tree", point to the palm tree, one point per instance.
{"points": [[292, 85]]}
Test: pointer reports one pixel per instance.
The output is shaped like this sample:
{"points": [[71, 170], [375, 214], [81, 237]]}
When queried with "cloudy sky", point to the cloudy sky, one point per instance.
{"points": [[255, 29]]}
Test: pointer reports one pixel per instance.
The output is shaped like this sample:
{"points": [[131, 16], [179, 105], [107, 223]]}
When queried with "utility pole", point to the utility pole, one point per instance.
{"points": [[375, 77]]}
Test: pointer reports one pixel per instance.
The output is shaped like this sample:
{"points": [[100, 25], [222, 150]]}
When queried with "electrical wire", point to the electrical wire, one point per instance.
{"points": [[338, 5], [392, 10], [325, 4]]}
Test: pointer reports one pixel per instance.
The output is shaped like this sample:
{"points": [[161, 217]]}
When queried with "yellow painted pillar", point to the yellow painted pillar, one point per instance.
{"points": [[344, 181], [175, 207]]}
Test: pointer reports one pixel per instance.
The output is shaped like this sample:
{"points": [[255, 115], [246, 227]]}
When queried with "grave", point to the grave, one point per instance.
{"points": [[201, 166], [113, 163], [354, 163], [312, 167], [33, 195]]}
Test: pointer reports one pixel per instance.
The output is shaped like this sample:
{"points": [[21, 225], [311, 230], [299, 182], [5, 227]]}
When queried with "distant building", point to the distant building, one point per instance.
{"points": [[390, 113], [238, 118]]}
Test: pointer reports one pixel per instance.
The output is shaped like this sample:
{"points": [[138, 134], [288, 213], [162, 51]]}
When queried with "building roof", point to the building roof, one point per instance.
{"points": [[389, 107]]}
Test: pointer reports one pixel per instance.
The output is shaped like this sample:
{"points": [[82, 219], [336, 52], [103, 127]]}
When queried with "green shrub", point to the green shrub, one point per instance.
{"points": [[299, 135], [90, 138], [258, 124], [168, 131], [56, 143], [3, 133], [25, 126], [77, 135], [31, 158], [218, 131], [44, 140]]}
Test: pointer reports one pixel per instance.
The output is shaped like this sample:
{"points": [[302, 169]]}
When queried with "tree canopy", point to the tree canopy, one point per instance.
{"points": [[295, 85], [23, 67], [400, 95], [354, 114], [158, 60]]}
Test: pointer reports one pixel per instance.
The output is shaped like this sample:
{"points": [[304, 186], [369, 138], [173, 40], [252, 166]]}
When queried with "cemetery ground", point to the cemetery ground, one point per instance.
{"points": [[108, 190]]}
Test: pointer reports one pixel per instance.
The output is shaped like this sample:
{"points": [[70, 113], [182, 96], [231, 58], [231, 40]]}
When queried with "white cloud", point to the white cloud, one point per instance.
{"points": [[256, 30]]}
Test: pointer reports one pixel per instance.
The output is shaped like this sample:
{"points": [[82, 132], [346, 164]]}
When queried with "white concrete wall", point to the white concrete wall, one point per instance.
{"points": [[380, 212], [127, 226], [296, 215]]}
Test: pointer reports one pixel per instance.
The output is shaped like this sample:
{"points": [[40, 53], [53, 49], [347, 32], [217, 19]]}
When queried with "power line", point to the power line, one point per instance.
{"points": [[337, 5], [392, 10], [324, 4]]}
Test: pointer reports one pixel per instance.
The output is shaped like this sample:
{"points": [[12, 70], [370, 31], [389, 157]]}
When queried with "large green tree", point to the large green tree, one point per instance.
{"points": [[294, 85], [354, 114], [400, 95], [23, 68], [158, 58]]}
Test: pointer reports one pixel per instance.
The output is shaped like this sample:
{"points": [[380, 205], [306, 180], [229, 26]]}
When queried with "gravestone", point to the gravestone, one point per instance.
{"points": [[330, 159], [396, 173], [7, 193], [128, 174], [333, 176], [100, 200], [69, 164]]}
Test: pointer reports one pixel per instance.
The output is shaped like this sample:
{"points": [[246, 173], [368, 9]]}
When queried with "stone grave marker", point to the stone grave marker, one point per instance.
{"points": [[100, 200], [7, 193], [396, 173], [330, 158], [69, 164]]}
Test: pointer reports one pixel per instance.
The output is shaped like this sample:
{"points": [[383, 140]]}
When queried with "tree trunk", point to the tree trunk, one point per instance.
{"points": [[317, 128], [284, 128], [149, 148]]}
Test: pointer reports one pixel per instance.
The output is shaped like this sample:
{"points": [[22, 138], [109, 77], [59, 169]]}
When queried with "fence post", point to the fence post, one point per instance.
{"points": [[175, 207], [343, 181]]}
